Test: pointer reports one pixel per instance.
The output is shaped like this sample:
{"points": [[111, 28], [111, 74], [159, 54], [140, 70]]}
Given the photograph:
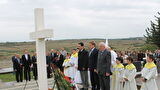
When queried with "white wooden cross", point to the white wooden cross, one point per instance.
{"points": [[39, 35]]}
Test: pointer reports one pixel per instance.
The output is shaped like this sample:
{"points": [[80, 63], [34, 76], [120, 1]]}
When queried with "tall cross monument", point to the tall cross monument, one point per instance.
{"points": [[107, 44], [40, 35]]}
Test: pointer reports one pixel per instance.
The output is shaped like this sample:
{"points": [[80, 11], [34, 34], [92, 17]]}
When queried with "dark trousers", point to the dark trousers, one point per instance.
{"points": [[19, 75], [27, 74], [94, 80], [104, 82], [84, 77], [35, 73], [49, 72]]}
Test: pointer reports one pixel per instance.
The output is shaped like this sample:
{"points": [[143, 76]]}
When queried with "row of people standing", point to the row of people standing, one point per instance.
{"points": [[123, 78], [23, 65], [99, 62]]}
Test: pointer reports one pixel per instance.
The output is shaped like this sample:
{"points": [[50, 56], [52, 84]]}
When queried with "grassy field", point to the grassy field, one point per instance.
{"points": [[10, 77], [7, 77], [8, 49]]}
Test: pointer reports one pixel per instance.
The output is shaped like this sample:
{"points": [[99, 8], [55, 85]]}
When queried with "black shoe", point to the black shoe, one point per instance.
{"points": [[93, 88], [82, 89]]}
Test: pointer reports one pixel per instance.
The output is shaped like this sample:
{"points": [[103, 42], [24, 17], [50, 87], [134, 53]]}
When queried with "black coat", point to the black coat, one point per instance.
{"points": [[34, 61], [59, 60], [93, 59], [83, 60], [53, 57], [26, 63], [141, 56], [13, 59], [104, 62], [48, 60], [17, 65]]}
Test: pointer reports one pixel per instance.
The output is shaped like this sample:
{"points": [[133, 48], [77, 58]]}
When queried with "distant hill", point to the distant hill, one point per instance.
{"points": [[8, 49], [131, 38]]}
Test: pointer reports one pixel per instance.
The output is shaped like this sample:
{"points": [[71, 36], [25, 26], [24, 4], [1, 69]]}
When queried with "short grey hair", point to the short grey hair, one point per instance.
{"points": [[102, 44]]}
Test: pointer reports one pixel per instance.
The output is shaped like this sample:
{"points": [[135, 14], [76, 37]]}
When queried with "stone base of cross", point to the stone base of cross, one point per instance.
{"points": [[40, 35]]}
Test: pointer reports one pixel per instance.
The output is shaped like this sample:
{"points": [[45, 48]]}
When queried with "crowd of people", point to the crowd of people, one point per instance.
{"points": [[101, 67], [23, 65]]}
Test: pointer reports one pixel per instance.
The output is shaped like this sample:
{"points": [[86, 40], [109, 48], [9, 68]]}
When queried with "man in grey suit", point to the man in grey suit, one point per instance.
{"points": [[104, 66]]}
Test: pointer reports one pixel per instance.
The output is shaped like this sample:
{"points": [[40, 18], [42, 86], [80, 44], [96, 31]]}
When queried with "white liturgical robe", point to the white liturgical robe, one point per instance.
{"points": [[117, 77], [149, 72], [130, 73]]}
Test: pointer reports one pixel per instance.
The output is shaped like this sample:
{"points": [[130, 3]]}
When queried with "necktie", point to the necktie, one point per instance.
{"points": [[90, 52]]}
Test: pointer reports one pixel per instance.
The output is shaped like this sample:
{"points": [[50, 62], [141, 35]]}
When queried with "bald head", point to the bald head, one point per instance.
{"points": [[102, 46], [17, 56]]}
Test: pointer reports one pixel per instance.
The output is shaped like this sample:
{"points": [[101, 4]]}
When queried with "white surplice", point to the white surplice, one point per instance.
{"points": [[117, 77], [76, 72], [150, 75], [67, 67], [131, 83]]}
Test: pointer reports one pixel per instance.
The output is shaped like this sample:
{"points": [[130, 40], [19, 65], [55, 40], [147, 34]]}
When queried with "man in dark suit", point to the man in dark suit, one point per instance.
{"points": [[83, 65], [18, 68], [34, 63], [53, 55], [93, 56], [104, 66], [140, 56], [26, 59], [59, 59], [13, 59], [48, 64]]}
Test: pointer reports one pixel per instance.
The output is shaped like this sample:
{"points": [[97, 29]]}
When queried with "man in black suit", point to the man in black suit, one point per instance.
{"points": [[48, 64], [13, 59], [140, 56], [26, 59], [59, 59], [83, 65], [53, 55], [18, 68], [93, 56], [104, 66], [34, 63]]}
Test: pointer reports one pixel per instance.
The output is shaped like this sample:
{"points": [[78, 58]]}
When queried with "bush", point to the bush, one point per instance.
{"points": [[150, 47]]}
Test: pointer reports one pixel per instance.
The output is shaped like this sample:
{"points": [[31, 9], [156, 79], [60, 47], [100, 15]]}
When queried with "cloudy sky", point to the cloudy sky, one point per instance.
{"points": [[73, 19]]}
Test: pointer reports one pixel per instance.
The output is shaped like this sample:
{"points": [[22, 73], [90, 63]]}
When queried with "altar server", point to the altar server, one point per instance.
{"points": [[149, 74], [67, 66], [117, 77], [129, 75], [73, 62], [77, 77]]}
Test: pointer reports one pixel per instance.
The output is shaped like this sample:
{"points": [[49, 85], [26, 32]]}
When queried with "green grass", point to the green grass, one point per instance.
{"points": [[7, 77], [10, 77]]}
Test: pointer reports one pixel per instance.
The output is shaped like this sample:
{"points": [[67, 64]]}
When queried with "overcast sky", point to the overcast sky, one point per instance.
{"points": [[73, 19]]}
